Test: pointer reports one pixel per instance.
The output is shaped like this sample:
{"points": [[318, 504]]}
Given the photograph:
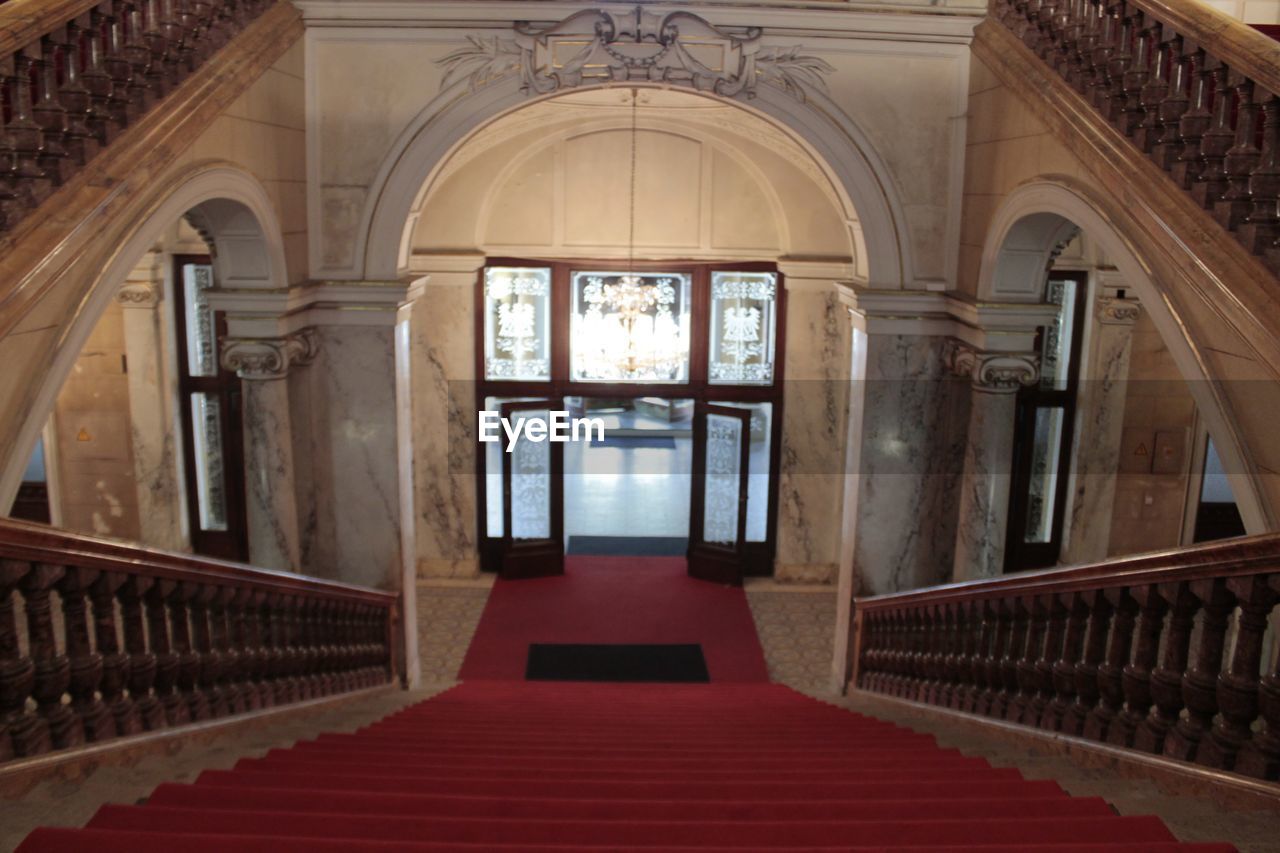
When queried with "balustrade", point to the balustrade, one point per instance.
{"points": [[1172, 654], [1192, 89], [71, 80], [122, 640]]}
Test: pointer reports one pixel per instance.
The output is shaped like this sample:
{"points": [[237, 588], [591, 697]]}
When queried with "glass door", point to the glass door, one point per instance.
{"points": [[721, 462], [532, 492]]}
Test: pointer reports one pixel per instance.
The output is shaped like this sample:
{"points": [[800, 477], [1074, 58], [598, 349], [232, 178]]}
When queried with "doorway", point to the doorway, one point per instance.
{"points": [[679, 365]]}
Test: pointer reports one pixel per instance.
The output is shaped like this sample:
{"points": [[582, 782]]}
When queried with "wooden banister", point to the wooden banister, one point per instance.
{"points": [[1132, 652], [195, 638], [1195, 91]]}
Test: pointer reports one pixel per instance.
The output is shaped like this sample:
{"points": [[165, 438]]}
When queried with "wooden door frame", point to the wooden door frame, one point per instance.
{"points": [[757, 556]]}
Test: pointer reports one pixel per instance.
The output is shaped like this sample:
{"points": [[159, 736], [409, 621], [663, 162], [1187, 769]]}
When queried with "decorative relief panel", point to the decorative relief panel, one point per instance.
{"points": [[723, 479], [597, 46], [517, 324], [531, 483], [743, 328]]}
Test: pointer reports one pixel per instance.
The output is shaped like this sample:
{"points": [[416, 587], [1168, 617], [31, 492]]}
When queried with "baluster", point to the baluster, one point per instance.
{"points": [[318, 667], [293, 650], [188, 657], [869, 652], [257, 622], [1238, 685], [1054, 638], [79, 140], [1114, 98], [141, 669], [115, 663], [209, 668], [1214, 144], [1166, 681], [1168, 46], [141, 93], [1260, 757], [1136, 74], [1240, 160], [1084, 77], [959, 664], [1110, 671], [98, 83], [168, 661], [1174, 105], [1262, 226], [275, 630], [201, 31], [25, 134], [187, 23], [222, 615], [1199, 683], [1012, 654], [85, 665], [53, 670], [1108, 37], [994, 699], [1086, 671], [1197, 120], [1025, 676], [170, 25], [116, 61], [22, 733], [893, 684], [1135, 678], [48, 113], [12, 201], [1062, 674], [243, 651], [157, 43], [985, 614], [935, 630]]}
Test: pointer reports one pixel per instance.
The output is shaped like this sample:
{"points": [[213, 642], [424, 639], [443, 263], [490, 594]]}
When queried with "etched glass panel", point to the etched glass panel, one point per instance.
{"points": [[531, 478], [517, 324], [1055, 343], [722, 484], [629, 327], [1042, 492], [211, 492], [759, 438], [743, 328], [202, 355]]}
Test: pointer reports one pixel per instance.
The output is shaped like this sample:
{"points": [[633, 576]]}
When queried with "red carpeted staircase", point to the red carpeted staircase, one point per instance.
{"points": [[562, 767]]}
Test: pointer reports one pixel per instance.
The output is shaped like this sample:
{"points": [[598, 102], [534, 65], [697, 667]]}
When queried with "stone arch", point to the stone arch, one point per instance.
{"points": [[1033, 224], [231, 209], [869, 198]]}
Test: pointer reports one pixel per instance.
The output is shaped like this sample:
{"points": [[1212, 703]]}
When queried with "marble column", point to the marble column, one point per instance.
{"points": [[436, 405], [155, 459], [270, 498], [1099, 423], [995, 378]]}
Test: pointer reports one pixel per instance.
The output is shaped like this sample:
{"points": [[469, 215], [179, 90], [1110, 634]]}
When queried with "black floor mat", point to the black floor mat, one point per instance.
{"points": [[631, 663], [629, 546], [633, 442]]}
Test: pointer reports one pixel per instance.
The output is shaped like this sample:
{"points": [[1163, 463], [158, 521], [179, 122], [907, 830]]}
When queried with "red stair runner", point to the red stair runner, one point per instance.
{"points": [[564, 767]]}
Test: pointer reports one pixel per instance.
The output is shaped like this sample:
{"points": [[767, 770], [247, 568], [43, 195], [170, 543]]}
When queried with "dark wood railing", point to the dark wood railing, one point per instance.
{"points": [[1168, 653], [120, 640], [74, 73], [1195, 90]]}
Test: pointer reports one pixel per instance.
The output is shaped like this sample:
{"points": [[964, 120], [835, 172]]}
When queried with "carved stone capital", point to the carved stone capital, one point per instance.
{"points": [[993, 372], [139, 294], [268, 358], [1114, 311]]}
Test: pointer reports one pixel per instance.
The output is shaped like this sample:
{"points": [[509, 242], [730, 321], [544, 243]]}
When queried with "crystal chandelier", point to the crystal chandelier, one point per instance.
{"points": [[631, 326]]}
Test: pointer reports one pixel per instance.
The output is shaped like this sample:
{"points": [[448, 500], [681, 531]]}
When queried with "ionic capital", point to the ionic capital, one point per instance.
{"points": [[268, 358]]}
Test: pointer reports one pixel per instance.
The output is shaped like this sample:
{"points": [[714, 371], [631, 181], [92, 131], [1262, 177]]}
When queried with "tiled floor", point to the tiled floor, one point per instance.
{"points": [[797, 630]]}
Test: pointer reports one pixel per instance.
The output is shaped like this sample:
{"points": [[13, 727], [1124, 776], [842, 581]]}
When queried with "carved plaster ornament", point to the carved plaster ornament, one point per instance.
{"points": [[1000, 372], [596, 46], [268, 358], [1115, 311], [139, 294]]}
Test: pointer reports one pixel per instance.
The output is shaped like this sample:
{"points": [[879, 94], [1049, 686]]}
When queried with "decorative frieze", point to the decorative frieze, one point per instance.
{"points": [[268, 358], [598, 46], [999, 372]]}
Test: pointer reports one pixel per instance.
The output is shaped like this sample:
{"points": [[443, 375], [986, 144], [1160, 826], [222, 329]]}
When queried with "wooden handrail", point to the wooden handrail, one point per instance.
{"points": [[1230, 40], [173, 639], [1246, 555], [1133, 651]]}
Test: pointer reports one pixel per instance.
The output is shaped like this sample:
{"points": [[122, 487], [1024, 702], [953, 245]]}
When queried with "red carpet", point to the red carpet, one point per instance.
{"points": [[616, 600], [510, 766]]}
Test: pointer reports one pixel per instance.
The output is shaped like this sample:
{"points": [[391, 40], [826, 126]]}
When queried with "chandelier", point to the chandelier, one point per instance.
{"points": [[630, 327]]}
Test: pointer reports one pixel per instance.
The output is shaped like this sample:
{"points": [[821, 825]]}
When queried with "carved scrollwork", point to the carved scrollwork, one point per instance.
{"points": [[139, 294], [1003, 372], [597, 46], [268, 358], [1114, 311]]}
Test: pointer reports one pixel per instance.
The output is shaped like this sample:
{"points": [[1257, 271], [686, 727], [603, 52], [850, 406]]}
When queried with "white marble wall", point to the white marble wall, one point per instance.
{"points": [[343, 412], [271, 509], [151, 419], [440, 360], [906, 440], [813, 433], [984, 492]]}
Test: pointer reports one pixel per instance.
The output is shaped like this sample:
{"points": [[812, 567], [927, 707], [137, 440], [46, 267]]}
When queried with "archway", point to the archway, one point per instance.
{"points": [[235, 216], [1036, 221]]}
